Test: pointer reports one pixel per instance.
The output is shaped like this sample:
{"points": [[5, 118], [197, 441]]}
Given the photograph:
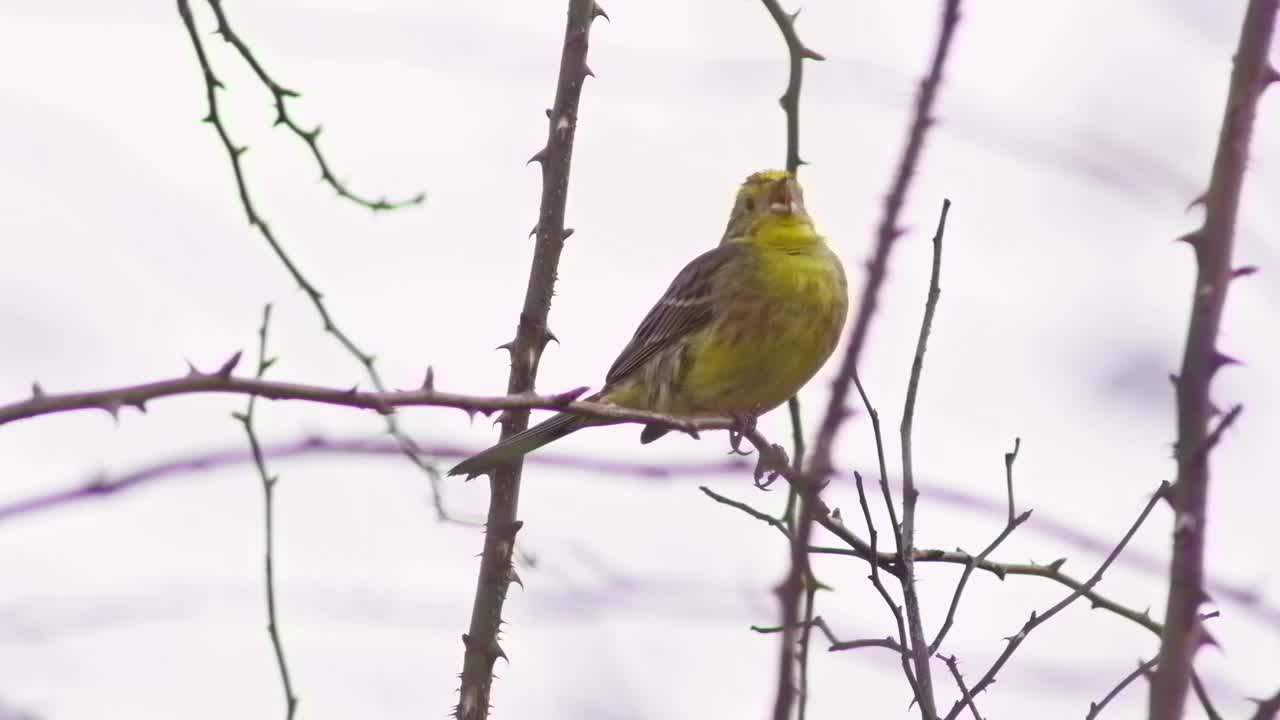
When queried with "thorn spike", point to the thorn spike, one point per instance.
{"points": [[230, 365]]}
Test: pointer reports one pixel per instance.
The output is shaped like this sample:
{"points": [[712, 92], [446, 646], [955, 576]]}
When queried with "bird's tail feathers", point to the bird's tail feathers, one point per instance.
{"points": [[551, 429]]}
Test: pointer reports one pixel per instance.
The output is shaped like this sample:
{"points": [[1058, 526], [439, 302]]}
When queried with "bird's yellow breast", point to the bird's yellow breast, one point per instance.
{"points": [[773, 332]]}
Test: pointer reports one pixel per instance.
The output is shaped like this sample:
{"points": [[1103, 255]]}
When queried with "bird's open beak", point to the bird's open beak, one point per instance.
{"points": [[784, 198]]}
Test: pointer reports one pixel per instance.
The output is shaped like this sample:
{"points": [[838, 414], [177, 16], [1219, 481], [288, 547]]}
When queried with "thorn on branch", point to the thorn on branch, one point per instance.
{"points": [[1244, 271], [1193, 238], [429, 382], [1219, 360], [230, 365], [569, 396]]}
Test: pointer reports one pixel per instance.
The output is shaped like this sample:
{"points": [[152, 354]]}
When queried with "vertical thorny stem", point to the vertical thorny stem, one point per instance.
{"points": [[797, 53], [496, 573], [1201, 359]]}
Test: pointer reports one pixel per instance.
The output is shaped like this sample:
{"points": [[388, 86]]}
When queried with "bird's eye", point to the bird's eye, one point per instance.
{"points": [[749, 204]]}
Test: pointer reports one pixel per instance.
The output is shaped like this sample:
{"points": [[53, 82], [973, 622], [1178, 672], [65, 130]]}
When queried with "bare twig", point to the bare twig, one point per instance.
{"points": [[920, 650], [762, 516], [884, 473], [1038, 619], [1201, 360], [532, 335], [1143, 670], [268, 512], [954, 667], [904, 647], [816, 621], [1011, 523], [280, 96], [236, 153], [886, 643]]}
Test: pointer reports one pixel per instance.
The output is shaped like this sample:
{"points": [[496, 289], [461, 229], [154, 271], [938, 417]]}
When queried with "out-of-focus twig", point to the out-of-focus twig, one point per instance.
{"points": [[1268, 709], [1202, 359], [532, 335], [268, 511]]}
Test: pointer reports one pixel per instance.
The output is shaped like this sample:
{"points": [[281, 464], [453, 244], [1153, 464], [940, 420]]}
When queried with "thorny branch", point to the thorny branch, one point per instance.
{"points": [[797, 53], [1201, 360], [1038, 619], [280, 96], [954, 667], [532, 335], [222, 380], [268, 512], [236, 153]]}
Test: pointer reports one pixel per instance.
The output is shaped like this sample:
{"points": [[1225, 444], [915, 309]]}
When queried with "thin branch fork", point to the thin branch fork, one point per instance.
{"points": [[1212, 243], [1038, 619]]}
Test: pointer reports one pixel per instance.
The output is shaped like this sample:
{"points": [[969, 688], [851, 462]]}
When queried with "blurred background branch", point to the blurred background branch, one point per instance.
{"points": [[1201, 359]]}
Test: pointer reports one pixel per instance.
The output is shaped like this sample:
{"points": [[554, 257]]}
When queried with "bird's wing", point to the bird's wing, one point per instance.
{"points": [[685, 307]]}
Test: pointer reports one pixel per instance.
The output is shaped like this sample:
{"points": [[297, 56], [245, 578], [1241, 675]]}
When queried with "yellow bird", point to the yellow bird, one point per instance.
{"points": [[741, 328]]}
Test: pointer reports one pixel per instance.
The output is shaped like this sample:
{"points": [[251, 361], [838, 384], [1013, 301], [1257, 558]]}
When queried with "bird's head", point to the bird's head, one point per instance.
{"points": [[769, 199]]}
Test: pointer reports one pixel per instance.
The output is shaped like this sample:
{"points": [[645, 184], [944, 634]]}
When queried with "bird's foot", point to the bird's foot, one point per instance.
{"points": [[743, 423]]}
